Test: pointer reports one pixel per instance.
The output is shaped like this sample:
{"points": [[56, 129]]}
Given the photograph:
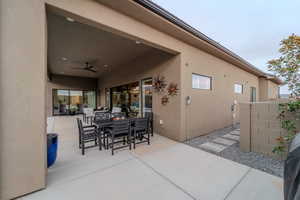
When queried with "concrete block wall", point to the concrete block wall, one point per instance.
{"points": [[260, 127]]}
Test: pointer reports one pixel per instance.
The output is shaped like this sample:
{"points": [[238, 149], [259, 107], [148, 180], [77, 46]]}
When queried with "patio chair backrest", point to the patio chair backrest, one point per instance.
{"points": [[118, 115], [101, 116], [116, 110], [99, 113], [88, 111], [80, 127], [121, 126], [149, 115], [141, 124]]}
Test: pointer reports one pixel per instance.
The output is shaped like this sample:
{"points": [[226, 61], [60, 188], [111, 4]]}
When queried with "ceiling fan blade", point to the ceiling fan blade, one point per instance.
{"points": [[89, 67], [84, 61], [77, 68], [92, 70], [76, 62], [92, 61]]}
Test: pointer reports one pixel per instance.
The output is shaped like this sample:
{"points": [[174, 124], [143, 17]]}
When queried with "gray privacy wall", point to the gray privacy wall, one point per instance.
{"points": [[260, 127]]}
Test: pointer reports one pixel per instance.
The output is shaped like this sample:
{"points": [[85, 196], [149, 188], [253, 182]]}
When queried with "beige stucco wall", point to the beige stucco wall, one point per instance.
{"points": [[151, 65], [263, 89], [211, 109], [273, 90], [23, 84], [22, 100], [268, 90], [67, 82]]}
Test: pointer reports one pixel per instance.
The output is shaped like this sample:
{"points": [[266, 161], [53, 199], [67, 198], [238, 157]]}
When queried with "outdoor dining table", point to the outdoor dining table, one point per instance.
{"points": [[108, 122], [102, 124]]}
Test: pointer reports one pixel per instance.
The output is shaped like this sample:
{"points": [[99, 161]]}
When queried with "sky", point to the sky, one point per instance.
{"points": [[252, 29]]}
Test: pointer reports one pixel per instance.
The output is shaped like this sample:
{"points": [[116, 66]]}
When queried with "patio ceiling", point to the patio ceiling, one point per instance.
{"points": [[72, 44]]}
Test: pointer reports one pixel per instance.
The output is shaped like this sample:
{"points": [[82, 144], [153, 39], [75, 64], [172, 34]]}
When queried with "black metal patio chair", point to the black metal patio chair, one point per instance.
{"points": [[149, 115], [100, 116], [103, 122], [119, 131], [118, 115], [87, 134], [141, 131]]}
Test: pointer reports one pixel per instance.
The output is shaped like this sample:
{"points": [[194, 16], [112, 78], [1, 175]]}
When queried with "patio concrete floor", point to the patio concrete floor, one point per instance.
{"points": [[164, 170]]}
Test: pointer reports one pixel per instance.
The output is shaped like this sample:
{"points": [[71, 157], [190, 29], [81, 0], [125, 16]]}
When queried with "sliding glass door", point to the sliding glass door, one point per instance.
{"points": [[126, 98], [89, 99], [76, 101], [146, 96], [67, 102], [133, 98]]}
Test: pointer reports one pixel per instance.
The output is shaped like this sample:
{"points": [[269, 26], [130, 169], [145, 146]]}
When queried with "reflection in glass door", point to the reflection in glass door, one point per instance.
{"points": [[89, 99], [76, 101], [61, 102], [146, 96], [67, 102], [126, 98]]}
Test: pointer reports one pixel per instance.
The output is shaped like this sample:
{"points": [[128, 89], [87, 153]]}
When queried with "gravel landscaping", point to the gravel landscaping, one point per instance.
{"points": [[227, 138]]}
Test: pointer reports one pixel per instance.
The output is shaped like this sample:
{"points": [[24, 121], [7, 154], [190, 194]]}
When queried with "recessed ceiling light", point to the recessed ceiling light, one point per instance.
{"points": [[64, 58], [105, 65], [70, 19], [138, 42], [62, 72]]}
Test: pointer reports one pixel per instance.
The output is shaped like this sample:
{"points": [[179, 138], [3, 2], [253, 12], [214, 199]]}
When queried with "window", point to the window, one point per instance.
{"points": [[201, 82], [126, 97], [253, 94], [146, 96], [238, 88], [67, 101]]}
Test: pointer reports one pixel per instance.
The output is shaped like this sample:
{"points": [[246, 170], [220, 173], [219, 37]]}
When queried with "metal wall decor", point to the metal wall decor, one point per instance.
{"points": [[172, 89], [164, 100], [159, 84]]}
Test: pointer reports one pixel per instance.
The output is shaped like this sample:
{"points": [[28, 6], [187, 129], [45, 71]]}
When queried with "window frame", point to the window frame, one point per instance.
{"points": [[205, 76], [252, 92], [240, 84], [69, 97]]}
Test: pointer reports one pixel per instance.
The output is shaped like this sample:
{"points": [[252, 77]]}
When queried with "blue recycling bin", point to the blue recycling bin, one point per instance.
{"points": [[52, 142]]}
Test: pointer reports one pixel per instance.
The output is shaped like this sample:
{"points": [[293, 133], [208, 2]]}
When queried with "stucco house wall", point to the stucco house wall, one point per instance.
{"points": [[211, 109], [24, 85], [111, 20], [268, 90], [149, 66], [273, 90]]}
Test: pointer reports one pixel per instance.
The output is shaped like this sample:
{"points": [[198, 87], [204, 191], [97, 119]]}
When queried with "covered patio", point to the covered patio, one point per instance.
{"points": [[88, 53], [90, 66], [94, 67], [164, 170]]}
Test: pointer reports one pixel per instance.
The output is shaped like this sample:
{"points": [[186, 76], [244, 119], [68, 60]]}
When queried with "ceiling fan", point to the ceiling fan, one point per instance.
{"points": [[87, 67]]}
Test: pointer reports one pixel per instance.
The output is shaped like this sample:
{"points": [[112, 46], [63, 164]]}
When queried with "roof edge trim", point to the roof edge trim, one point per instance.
{"points": [[180, 23]]}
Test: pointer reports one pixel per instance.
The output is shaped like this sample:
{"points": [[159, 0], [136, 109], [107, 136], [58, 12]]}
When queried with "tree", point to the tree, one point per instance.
{"points": [[287, 65]]}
